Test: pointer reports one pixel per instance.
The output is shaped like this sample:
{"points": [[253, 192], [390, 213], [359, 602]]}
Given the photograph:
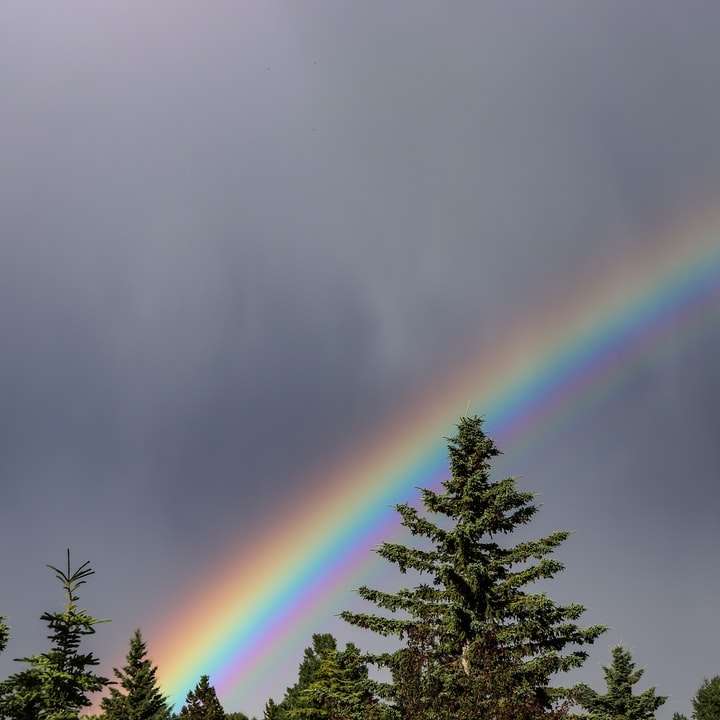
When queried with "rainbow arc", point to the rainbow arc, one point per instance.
{"points": [[544, 370]]}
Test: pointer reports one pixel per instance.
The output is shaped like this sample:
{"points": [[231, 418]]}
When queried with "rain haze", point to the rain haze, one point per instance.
{"points": [[235, 237]]}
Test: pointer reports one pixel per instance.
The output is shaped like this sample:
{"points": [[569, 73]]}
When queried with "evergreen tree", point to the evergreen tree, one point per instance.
{"points": [[339, 690], [331, 683], [322, 644], [272, 710], [142, 699], [202, 703], [619, 703], [678, 716], [706, 703], [476, 619], [57, 683]]}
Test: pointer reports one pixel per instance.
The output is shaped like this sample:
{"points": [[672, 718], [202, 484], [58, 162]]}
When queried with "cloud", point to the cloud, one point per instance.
{"points": [[235, 238]]}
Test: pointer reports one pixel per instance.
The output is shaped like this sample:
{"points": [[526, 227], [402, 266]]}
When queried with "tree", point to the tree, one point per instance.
{"points": [[322, 644], [339, 690], [706, 703], [331, 683], [272, 710], [202, 703], [142, 699], [57, 683], [678, 716], [476, 618], [619, 703]]}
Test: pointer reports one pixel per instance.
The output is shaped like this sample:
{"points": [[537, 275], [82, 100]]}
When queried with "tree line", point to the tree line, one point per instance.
{"points": [[474, 640]]}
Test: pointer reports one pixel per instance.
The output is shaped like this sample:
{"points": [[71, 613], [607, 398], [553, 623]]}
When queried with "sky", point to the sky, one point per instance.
{"points": [[235, 237]]}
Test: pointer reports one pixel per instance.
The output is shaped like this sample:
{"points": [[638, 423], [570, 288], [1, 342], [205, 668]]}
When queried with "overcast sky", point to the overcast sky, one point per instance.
{"points": [[236, 236]]}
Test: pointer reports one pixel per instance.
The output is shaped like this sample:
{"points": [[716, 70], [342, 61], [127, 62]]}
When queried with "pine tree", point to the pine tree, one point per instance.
{"points": [[619, 703], [57, 683], [475, 620], [339, 690], [202, 703], [331, 683], [706, 703], [142, 699], [272, 710], [678, 716], [322, 644]]}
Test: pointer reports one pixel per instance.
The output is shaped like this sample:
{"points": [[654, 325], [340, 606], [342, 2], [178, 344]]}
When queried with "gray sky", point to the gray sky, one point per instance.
{"points": [[237, 236]]}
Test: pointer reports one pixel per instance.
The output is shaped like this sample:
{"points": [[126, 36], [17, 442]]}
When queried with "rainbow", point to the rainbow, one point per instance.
{"points": [[565, 352]]}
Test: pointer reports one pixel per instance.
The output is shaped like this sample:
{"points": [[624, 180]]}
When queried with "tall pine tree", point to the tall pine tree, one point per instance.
{"points": [[476, 619], [142, 698], [202, 703], [57, 683], [619, 702], [706, 703]]}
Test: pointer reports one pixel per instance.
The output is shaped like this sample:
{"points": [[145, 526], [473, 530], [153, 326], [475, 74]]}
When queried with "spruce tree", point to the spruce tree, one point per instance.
{"points": [[339, 690], [202, 703], [322, 644], [706, 703], [272, 710], [619, 703], [476, 619], [142, 699], [57, 683], [331, 683]]}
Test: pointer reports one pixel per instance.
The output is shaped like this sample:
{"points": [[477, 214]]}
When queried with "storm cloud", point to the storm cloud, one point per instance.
{"points": [[236, 236]]}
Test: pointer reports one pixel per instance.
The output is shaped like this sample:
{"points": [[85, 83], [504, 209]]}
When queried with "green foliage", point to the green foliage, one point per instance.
{"points": [[272, 710], [430, 686], [21, 696], [475, 618], [706, 703], [202, 703], [142, 699], [237, 716], [619, 703], [57, 683], [322, 643], [339, 689], [679, 716], [4, 633], [331, 684]]}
